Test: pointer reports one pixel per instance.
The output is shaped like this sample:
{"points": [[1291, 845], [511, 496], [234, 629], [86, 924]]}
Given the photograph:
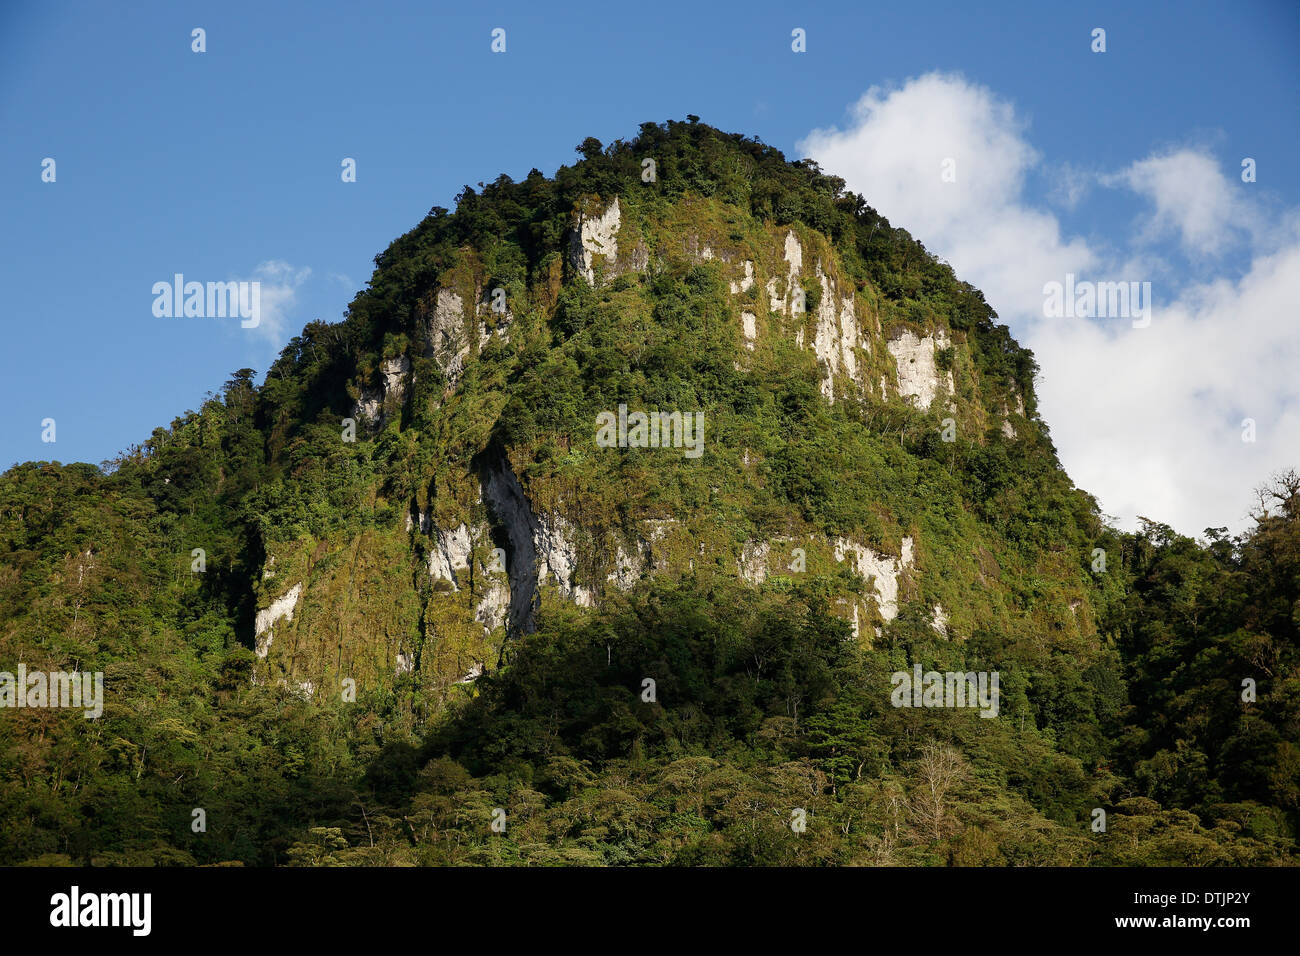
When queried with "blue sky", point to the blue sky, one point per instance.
{"points": [[226, 164]]}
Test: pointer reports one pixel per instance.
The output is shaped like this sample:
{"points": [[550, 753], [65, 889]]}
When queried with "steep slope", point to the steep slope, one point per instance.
{"points": [[491, 342]]}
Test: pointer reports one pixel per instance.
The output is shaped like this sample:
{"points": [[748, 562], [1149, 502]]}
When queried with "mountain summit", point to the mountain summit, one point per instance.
{"points": [[856, 417], [652, 504]]}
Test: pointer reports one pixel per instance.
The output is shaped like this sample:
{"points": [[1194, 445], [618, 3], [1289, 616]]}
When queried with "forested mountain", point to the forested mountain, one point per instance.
{"points": [[403, 603]]}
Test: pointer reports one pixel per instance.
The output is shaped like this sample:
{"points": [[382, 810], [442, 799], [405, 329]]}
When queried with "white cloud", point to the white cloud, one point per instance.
{"points": [[1192, 198], [1070, 184], [892, 153], [279, 289], [1148, 420]]}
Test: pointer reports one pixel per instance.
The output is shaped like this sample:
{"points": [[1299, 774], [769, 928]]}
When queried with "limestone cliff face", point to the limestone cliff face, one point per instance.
{"points": [[281, 607], [595, 235], [485, 546], [515, 515], [447, 340], [374, 404], [918, 372], [831, 330]]}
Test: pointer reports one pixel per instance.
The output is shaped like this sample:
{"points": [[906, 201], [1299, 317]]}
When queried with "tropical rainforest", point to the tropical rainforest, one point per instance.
{"points": [[395, 606]]}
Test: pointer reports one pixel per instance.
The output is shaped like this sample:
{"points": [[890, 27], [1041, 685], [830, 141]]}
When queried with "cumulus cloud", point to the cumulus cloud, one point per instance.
{"points": [[1150, 420], [893, 152]]}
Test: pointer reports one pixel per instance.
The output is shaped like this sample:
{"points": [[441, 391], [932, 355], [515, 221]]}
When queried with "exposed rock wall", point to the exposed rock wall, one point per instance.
{"points": [[595, 236], [446, 340], [451, 553], [918, 372], [882, 571], [281, 608], [371, 406], [557, 558], [504, 495]]}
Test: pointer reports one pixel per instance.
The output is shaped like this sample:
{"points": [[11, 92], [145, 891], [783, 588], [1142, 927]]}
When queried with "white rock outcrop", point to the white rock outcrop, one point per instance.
{"points": [[281, 608], [450, 553], [425, 522], [752, 563], [836, 336], [775, 302], [836, 332], [447, 341], [492, 319], [786, 304], [370, 406], [595, 236], [394, 371], [793, 254], [746, 281], [474, 674], [879, 569], [558, 557], [627, 570], [918, 373], [492, 611], [1009, 429], [451, 556]]}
